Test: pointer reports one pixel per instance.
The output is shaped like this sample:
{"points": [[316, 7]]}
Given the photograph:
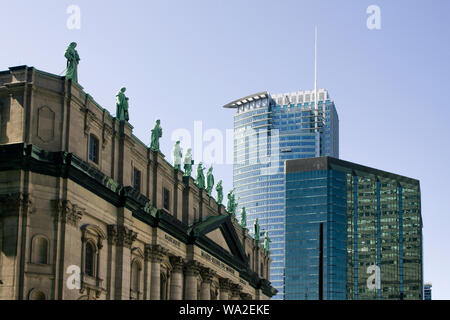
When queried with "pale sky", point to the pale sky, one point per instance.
{"points": [[182, 61]]}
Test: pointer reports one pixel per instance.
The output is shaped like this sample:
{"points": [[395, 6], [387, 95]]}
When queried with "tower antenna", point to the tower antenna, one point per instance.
{"points": [[316, 98]]}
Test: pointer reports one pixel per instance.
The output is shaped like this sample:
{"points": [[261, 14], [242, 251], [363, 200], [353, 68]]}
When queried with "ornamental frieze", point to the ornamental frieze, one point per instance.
{"points": [[121, 236], [67, 212]]}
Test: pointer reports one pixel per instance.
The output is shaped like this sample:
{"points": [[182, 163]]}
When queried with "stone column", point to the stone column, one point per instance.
{"points": [[156, 255], [176, 284], [236, 292], [207, 277], [121, 238], [191, 274], [224, 286]]}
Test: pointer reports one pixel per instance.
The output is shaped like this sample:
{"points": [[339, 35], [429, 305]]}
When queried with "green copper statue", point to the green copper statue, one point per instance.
{"points": [[156, 135], [122, 105], [177, 155], [256, 225], [243, 218], [200, 181], [188, 163], [209, 181], [72, 62], [231, 205], [219, 190], [267, 241]]}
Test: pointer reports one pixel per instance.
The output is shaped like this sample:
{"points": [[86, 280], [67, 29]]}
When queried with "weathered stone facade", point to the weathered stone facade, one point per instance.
{"points": [[70, 203]]}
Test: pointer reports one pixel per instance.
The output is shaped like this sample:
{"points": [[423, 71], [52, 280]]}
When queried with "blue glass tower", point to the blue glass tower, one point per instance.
{"points": [[352, 232], [268, 130]]}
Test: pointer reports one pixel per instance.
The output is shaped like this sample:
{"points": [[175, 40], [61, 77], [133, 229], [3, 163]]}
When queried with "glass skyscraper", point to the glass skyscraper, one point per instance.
{"points": [[427, 291], [269, 129], [352, 232]]}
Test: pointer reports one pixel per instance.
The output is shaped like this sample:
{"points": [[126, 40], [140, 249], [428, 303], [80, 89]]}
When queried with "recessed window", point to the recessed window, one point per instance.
{"points": [[137, 179], [39, 250], [166, 199], [135, 276], [93, 148], [89, 259]]}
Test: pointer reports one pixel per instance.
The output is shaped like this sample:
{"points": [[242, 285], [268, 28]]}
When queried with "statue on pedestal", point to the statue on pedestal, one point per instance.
{"points": [[177, 155], [122, 105], [188, 163], [156, 135], [267, 241], [219, 190], [243, 218], [209, 181], [232, 205], [200, 181], [257, 227], [72, 62]]}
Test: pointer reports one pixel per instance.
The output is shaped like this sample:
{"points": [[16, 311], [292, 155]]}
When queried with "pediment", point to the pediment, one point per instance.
{"points": [[218, 237], [220, 233]]}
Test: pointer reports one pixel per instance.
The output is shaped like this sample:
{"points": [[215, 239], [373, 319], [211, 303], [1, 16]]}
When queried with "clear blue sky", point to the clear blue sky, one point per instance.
{"points": [[182, 60]]}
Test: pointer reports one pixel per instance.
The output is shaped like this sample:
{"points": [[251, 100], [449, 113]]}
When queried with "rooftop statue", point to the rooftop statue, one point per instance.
{"points": [[188, 163], [243, 218], [200, 181], [156, 135], [122, 105], [267, 241], [231, 205], [72, 62], [257, 227], [177, 155], [219, 190], [209, 181]]}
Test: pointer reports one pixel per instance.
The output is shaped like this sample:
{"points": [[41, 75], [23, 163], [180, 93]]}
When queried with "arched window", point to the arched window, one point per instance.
{"points": [[36, 295], [93, 148], [135, 276], [39, 250], [89, 262]]}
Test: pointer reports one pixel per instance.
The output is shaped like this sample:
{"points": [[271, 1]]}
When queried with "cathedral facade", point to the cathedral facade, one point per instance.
{"points": [[88, 211]]}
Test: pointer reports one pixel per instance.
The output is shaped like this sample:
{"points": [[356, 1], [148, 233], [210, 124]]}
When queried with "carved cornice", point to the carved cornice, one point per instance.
{"points": [[246, 296], [155, 253], [10, 204], [192, 268], [236, 290], [66, 212], [121, 236], [177, 264], [207, 274], [225, 284]]}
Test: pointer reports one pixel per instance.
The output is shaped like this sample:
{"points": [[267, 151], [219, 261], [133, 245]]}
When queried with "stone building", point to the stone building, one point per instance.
{"points": [[88, 211]]}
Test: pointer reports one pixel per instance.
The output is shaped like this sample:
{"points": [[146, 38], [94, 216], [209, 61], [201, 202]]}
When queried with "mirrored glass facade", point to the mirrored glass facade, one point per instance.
{"points": [[316, 234], [383, 231], [269, 129]]}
